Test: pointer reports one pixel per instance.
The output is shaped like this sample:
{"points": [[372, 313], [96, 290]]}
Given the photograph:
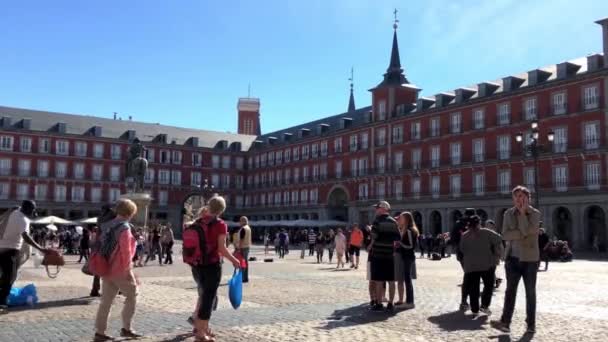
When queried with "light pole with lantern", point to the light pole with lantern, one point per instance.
{"points": [[534, 147]]}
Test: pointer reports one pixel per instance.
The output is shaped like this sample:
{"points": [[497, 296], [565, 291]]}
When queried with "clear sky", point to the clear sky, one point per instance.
{"points": [[186, 62]]}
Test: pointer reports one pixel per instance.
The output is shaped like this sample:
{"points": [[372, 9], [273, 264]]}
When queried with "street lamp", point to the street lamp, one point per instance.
{"points": [[534, 147]]}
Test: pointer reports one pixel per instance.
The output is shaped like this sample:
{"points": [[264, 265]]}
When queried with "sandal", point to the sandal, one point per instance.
{"points": [[205, 338]]}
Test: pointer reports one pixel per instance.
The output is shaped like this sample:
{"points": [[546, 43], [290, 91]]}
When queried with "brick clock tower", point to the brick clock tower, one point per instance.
{"points": [[249, 116], [394, 95]]}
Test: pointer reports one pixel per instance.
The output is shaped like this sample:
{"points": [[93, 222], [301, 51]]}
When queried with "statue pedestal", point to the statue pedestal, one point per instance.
{"points": [[142, 200]]}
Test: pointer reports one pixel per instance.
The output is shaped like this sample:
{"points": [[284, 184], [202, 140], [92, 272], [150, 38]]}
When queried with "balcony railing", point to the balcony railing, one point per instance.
{"points": [[559, 108]]}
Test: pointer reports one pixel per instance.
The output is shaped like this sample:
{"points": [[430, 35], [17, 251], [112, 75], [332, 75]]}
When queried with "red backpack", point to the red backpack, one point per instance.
{"points": [[194, 250]]}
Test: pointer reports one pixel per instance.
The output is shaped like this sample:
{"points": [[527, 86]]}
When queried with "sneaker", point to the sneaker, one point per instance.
{"points": [[102, 338], [378, 307], [464, 307], [499, 325], [129, 333], [408, 306], [531, 330], [390, 307], [485, 311]]}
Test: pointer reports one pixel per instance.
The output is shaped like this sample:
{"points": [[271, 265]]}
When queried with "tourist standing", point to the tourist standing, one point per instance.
{"points": [[282, 243], [154, 246], [245, 244], [312, 238], [356, 242], [405, 258], [520, 230], [320, 247], [480, 248], [460, 228], [421, 244], [340, 242], [84, 245], [266, 242], [385, 233], [117, 245], [303, 242], [543, 242], [331, 244], [167, 241]]}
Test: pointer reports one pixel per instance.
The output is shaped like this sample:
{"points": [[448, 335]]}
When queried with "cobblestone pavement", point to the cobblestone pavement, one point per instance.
{"points": [[299, 300]]}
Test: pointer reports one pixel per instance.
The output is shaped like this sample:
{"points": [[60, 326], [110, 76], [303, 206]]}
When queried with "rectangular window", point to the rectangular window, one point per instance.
{"points": [[215, 162], [44, 145], [79, 171], [455, 123], [416, 158], [197, 159], [288, 179], [271, 158], [195, 178], [6, 143], [176, 177], [338, 167], [560, 142], [226, 181], [558, 103], [81, 149], [26, 144], [353, 143], [455, 185], [115, 173], [478, 150], [504, 147], [478, 119], [97, 172], [592, 175], [149, 177], [149, 155], [591, 97], [362, 166], [304, 196], [315, 172], [95, 195], [4, 190], [530, 109], [435, 156], [364, 141], [456, 153], [381, 160], [398, 134], [592, 135], [41, 192], [287, 155], [43, 168], [296, 153], [163, 198], [60, 193], [504, 113], [305, 174], [398, 161], [305, 152], [240, 162], [315, 150], [114, 194], [416, 188], [353, 167], [416, 130], [165, 157], [98, 150], [62, 147], [215, 180], [435, 127], [380, 190], [560, 178], [435, 186], [279, 157], [382, 110], [115, 152], [504, 181], [381, 139], [25, 167], [176, 157], [363, 191], [338, 145], [529, 178], [61, 169], [225, 162], [23, 191], [478, 184], [77, 193], [398, 189]]}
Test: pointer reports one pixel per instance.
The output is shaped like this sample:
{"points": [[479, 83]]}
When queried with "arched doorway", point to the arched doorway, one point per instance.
{"points": [[436, 227], [456, 215], [562, 225], [596, 238], [337, 204], [418, 219]]}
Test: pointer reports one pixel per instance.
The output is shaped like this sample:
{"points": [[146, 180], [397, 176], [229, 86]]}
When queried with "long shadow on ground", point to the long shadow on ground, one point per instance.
{"points": [[454, 321], [82, 301], [355, 315]]}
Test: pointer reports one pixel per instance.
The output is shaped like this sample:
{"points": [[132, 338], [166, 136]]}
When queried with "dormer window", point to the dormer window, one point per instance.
{"points": [[382, 110]]}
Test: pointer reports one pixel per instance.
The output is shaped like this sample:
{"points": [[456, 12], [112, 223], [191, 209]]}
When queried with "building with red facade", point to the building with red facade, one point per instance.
{"points": [[433, 155]]}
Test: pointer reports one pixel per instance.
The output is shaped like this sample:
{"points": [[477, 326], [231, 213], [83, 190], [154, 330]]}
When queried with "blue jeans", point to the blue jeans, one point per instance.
{"points": [[516, 270]]}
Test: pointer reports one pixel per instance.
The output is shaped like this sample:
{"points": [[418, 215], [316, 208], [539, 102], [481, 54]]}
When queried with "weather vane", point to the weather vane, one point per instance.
{"points": [[352, 77], [395, 25]]}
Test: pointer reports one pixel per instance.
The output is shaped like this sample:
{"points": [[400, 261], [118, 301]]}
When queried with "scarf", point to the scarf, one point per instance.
{"points": [[110, 233]]}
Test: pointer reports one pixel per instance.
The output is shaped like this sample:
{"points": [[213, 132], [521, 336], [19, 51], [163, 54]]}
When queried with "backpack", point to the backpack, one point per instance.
{"points": [[98, 265], [194, 252]]}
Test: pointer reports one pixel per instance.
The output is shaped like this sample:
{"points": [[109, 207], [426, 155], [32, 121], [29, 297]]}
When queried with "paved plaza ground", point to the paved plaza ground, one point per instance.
{"points": [[299, 300]]}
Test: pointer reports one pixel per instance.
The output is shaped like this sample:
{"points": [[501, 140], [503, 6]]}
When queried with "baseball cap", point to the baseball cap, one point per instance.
{"points": [[383, 205]]}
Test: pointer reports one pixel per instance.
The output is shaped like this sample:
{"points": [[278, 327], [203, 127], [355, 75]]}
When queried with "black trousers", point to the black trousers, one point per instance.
{"points": [[208, 278], [472, 288], [84, 253], [168, 253], [311, 249], [9, 263]]}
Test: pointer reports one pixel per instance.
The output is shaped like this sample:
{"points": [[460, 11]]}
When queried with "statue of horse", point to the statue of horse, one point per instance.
{"points": [[137, 169]]}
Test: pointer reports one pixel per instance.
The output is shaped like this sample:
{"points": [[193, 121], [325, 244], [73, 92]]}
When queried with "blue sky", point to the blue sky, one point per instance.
{"points": [[186, 62]]}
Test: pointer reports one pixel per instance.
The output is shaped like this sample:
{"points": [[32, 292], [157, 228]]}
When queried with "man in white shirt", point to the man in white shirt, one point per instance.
{"points": [[13, 231]]}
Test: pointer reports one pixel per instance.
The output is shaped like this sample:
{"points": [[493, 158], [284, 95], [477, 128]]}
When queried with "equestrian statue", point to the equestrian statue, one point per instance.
{"points": [[137, 165]]}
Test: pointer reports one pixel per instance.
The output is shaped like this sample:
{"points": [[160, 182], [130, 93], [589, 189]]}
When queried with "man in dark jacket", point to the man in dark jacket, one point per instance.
{"points": [[460, 228], [543, 241]]}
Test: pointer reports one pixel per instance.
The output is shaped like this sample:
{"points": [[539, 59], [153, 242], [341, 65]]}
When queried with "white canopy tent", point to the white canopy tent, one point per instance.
{"points": [[53, 220], [90, 220]]}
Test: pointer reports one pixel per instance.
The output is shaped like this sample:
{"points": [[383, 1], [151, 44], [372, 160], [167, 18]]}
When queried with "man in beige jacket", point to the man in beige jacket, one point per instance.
{"points": [[520, 231]]}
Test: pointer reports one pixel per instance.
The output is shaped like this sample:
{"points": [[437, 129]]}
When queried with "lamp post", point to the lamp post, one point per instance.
{"points": [[534, 147]]}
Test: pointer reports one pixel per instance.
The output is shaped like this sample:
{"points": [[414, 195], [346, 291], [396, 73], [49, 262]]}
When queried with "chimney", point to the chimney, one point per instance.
{"points": [[604, 24], [249, 116]]}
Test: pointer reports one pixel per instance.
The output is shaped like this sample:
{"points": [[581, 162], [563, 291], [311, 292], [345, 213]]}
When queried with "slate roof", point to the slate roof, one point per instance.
{"points": [[115, 129]]}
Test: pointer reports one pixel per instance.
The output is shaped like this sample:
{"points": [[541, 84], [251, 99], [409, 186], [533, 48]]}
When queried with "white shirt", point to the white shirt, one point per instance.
{"points": [[10, 234]]}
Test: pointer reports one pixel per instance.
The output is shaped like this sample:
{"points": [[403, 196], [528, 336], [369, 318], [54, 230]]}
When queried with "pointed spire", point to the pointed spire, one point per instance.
{"points": [[351, 100], [394, 74]]}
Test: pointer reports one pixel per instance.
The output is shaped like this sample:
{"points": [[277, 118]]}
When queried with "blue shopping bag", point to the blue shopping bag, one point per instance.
{"points": [[22, 296], [235, 289]]}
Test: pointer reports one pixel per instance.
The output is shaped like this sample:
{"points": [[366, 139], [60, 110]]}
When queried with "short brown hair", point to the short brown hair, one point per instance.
{"points": [[125, 207], [521, 188], [217, 205]]}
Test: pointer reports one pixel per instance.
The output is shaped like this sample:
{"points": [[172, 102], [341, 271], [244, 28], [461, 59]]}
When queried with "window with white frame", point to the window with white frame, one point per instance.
{"points": [[60, 193], [149, 155], [323, 171], [41, 191], [504, 113], [239, 201], [416, 188], [115, 173], [43, 168], [115, 152], [435, 186], [240, 162], [195, 178], [277, 198], [6, 167], [176, 177], [25, 167], [398, 161], [416, 158], [296, 153], [305, 152], [435, 156], [197, 159], [279, 156], [338, 168], [455, 185], [286, 197], [96, 195], [61, 169], [315, 150], [364, 140], [271, 158], [6, 143], [62, 147], [456, 154], [176, 157], [304, 196], [592, 175], [163, 198], [315, 172], [558, 103], [97, 172], [287, 154], [398, 134], [529, 178], [215, 161], [381, 160], [294, 197], [288, 176], [354, 167], [314, 195], [98, 150], [560, 178], [296, 174], [592, 135], [23, 191], [149, 177], [455, 123], [504, 181], [362, 166], [398, 189], [225, 162], [279, 177], [435, 127], [363, 191], [478, 118], [530, 109], [478, 150], [504, 147], [415, 128], [381, 137], [77, 193], [338, 145], [305, 174], [380, 190], [382, 110], [591, 97], [560, 142], [4, 190], [79, 170], [164, 157], [353, 143], [479, 184], [44, 145], [26, 144], [226, 181], [238, 180], [81, 149], [215, 180]]}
